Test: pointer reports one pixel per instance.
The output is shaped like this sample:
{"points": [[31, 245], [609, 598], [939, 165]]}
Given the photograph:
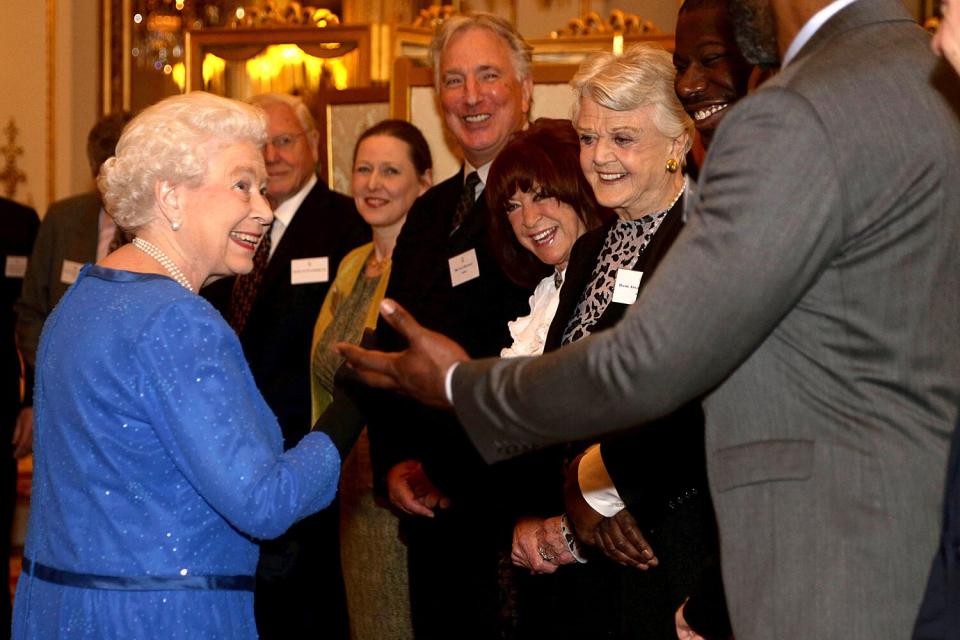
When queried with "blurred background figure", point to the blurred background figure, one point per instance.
{"points": [[158, 463], [19, 230], [75, 231], [392, 167], [273, 310]]}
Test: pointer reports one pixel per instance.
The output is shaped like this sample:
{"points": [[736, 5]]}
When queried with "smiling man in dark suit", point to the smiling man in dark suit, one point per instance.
{"points": [[274, 310], [443, 268], [813, 296]]}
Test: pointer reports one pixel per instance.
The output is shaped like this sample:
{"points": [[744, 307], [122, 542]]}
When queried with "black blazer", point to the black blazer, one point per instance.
{"points": [[20, 226], [939, 617], [475, 314], [659, 467], [276, 339]]}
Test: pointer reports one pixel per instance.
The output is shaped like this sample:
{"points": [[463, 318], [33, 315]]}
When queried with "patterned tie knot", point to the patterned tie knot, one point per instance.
{"points": [[467, 199]]}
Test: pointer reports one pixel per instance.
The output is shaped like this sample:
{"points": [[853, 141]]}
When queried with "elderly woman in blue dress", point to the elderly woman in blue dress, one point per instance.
{"points": [[157, 460]]}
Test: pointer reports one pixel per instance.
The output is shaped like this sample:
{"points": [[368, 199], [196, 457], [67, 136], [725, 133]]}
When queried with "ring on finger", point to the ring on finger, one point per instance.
{"points": [[548, 557]]}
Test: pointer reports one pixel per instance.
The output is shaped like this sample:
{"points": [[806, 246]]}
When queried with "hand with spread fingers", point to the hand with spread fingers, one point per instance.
{"points": [[621, 540], [411, 491], [418, 371]]}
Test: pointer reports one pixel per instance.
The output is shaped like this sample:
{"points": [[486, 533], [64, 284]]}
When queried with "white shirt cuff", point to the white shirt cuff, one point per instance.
{"points": [[448, 382], [596, 486]]}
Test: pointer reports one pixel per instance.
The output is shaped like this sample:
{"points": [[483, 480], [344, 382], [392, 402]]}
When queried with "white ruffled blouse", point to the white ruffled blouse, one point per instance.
{"points": [[529, 332]]}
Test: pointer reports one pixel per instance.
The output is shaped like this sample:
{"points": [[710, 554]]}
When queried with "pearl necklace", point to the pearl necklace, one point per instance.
{"points": [[164, 261], [683, 187]]}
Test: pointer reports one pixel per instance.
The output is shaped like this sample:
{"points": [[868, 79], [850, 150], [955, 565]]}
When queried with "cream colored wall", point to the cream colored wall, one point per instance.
{"points": [[23, 86], [24, 78], [536, 19], [77, 73]]}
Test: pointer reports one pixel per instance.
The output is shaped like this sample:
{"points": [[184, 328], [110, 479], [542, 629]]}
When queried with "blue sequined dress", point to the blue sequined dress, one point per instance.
{"points": [[156, 460]]}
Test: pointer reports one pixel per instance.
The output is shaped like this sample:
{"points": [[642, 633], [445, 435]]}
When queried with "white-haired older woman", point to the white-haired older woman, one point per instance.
{"points": [[157, 461], [634, 135]]}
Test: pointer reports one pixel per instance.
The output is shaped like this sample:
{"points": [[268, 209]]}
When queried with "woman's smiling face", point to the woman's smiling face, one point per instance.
{"points": [[544, 226]]}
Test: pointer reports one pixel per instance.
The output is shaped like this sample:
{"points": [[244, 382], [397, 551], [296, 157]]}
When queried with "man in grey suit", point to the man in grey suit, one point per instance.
{"points": [[813, 296]]}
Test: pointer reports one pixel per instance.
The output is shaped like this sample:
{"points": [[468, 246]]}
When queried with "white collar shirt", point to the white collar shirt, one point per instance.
{"points": [[811, 27]]}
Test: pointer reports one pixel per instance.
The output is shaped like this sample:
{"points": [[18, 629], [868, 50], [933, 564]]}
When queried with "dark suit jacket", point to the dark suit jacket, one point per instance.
{"points": [[69, 231], [19, 230], [650, 485], [276, 339], [474, 313], [814, 294], [939, 617]]}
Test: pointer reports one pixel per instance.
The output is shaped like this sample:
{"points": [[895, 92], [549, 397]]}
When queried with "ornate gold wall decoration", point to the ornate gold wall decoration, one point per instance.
{"points": [[11, 175], [272, 14], [433, 16], [619, 22]]}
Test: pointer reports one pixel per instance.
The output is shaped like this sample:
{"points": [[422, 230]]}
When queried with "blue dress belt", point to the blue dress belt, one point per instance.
{"points": [[137, 583]]}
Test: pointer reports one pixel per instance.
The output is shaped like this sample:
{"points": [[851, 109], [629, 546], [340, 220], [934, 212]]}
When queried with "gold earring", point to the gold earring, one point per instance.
{"points": [[672, 165]]}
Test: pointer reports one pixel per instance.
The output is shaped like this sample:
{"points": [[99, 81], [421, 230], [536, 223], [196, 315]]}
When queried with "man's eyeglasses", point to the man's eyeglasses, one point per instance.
{"points": [[284, 140]]}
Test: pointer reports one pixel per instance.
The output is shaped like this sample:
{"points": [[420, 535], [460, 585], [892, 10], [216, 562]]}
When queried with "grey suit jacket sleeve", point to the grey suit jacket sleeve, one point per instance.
{"points": [[763, 228]]}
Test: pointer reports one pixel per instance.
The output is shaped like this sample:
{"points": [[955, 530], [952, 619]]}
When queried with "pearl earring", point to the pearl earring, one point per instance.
{"points": [[175, 225]]}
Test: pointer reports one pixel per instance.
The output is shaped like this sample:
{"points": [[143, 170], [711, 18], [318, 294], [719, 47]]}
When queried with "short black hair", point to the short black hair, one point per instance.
{"points": [[103, 137]]}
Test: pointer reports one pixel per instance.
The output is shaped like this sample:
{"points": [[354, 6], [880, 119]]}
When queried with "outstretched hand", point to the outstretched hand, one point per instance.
{"points": [[418, 371]]}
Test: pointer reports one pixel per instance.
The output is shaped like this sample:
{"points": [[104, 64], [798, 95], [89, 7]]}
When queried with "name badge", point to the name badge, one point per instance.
{"points": [[310, 270], [627, 286], [70, 271], [16, 267], [464, 268]]}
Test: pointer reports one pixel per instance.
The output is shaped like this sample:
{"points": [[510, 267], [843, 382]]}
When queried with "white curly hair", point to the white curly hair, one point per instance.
{"points": [[172, 140]]}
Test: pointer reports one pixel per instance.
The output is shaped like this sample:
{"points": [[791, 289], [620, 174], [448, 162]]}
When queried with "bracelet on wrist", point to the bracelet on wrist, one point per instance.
{"points": [[570, 539]]}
